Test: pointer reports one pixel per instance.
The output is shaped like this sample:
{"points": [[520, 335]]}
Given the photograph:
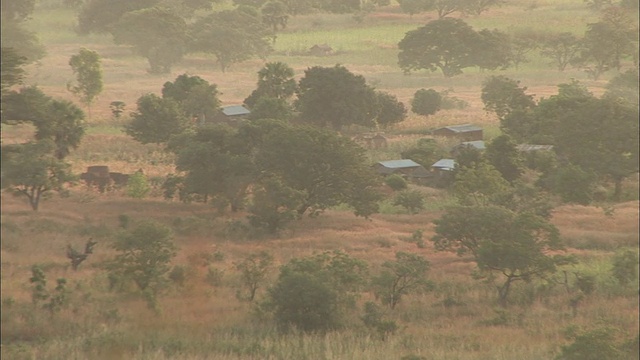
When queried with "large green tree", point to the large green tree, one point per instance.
{"points": [[601, 135], [562, 48], [275, 80], [88, 70], [446, 45], [503, 154], [156, 120], [503, 95], [328, 168], [232, 36], [390, 110], [157, 34], [196, 96], [11, 69], [516, 246], [64, 124], [335, 97], [100, 16]]}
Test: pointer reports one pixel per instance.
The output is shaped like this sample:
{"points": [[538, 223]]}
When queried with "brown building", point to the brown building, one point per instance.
{"points": [[465, 132]]}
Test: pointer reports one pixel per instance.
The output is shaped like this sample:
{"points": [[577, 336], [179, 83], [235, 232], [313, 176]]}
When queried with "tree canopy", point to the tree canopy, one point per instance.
{"points": [[335, 97], [196, 96], [157, 34], [448, 45], [88, 70], [231, 36], [156, 120]]}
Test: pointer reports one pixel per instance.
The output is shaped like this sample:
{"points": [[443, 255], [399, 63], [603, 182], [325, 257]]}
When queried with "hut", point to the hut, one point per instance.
{"points": [[404, 167], [465, 132]]}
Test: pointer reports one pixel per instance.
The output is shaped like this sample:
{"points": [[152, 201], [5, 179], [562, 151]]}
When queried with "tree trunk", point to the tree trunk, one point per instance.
{"points": [[617, 189], [503, 292]]}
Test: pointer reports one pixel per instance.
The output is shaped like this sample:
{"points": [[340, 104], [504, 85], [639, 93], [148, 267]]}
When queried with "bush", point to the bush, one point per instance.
{"points": [[625, 266], [144, 256], [592, 345], [412, 200], [137, 186], [426, 102], [396, 182]]}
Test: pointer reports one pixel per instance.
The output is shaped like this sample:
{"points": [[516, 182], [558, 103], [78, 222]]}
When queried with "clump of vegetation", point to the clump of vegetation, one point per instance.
{"points": [[400, 277], [253, 270], [396, 182], [144, 255], [77, 257], [58, 299], [137, 186], [412, 200]]}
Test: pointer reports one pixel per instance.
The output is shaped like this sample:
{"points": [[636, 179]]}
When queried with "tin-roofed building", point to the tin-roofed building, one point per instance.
{"points": [[444, 165], [465, 132], [476, 144], [233, 114], [532, 147], [404, 167]]}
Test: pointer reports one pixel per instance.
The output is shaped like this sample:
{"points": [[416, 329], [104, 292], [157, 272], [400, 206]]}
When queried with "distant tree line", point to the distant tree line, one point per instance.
{"points": [[450, 45]]}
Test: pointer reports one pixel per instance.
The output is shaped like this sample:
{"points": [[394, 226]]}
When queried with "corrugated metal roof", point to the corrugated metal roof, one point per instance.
{"points": [[235, 110], [399, 164], [444, 164], [463, 128]]}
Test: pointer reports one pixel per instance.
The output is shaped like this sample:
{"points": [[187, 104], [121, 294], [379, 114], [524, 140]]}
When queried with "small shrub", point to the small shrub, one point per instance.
{"points": [[396, 182], [214, 277], [178, 275], [597, 344], [124, 220], [373, 319], [412, 200], [253, 271], [137, 186], [625, 266]]}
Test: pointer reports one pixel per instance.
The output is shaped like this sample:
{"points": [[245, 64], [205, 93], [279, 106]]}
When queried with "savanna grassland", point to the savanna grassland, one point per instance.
{"points": [[200, 316]]}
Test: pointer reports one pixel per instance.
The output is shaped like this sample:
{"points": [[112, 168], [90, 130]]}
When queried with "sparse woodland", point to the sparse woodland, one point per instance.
{"points": [[140, 221]]}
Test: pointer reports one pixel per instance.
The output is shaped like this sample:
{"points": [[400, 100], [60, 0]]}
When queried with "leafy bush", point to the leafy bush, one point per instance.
{"points": [[144, 254], [412, 200], [400, 277], [625, 266], [426, 102], [396, 182], [312, 293], [253, 271], [137, 186], [597, 344]]}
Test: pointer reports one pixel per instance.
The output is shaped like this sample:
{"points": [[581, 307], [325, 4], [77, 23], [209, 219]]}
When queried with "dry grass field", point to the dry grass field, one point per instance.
{"points": [[202, 318]]}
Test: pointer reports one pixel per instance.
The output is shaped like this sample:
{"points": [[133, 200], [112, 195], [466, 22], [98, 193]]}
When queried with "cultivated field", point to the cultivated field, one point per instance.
{"points": [[202, 318]]}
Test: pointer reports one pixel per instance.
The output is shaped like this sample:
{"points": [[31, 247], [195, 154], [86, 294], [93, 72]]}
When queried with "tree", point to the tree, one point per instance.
{"points": [[494, 50], [625, 87], [24, 42], [563, 48], [32, 170], [331, 170], [390, 110], [88, 70], [156, 120], [313, 293], [157, 34], [608, 41], [275, 15], [503, 95], [400, 277], [144, 255], [63, 123], [274, 205], [479, 184], [522, 43], [333, 96], [215, 165], [16, 11], [27, 104], [137, 186], [275, 80], [232, 36], [412, 200], [271, 108], [503, 154], [11, 71], [425, 152], [426, 102], [571, 183], [625, 266], [413, 7], [100, 16], [477, 7], [196, 96], [601, 135], [514, 245], [445, 44], [447, 7], [253, 270]]}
